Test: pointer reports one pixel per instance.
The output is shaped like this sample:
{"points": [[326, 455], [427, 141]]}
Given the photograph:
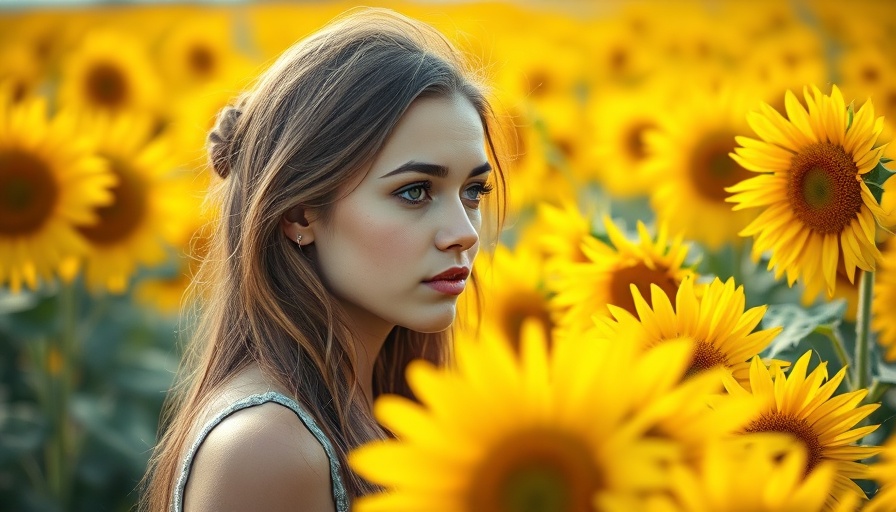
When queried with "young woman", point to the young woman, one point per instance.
{"points": [[349, 220]]}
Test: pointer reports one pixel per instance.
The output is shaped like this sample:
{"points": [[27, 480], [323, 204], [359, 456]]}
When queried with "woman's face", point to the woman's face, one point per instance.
{"points": [[413, 217]]}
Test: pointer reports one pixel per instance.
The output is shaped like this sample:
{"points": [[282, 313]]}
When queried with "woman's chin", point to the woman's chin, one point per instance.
{"points": [[435, 324]]}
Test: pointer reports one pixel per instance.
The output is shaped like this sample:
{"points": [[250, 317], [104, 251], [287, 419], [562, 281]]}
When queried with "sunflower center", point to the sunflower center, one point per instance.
{"points": [[619, 60], [107, 85], [538, 470], [526, 305], [798, 427], [118, 220], [712, 170], [871, 75], [19, 91], [824, 191], [201, 60], [706, 356], [634, 140], [642, 277], [28, 193]]}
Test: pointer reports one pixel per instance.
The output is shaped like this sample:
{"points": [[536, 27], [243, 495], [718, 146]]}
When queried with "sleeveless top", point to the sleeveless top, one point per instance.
{"points": [[340, 498]]}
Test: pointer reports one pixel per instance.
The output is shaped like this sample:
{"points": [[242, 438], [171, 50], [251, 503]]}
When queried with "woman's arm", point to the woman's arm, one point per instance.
{"points": [[260, 458]]}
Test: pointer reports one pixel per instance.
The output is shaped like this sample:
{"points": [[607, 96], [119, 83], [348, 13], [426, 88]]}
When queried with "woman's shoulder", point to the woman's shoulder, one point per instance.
{"points": [[261, 457]]}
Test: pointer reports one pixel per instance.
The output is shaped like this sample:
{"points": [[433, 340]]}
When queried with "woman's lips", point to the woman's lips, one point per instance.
{"points": [[449, 282], [452, 274], [448, 287]]}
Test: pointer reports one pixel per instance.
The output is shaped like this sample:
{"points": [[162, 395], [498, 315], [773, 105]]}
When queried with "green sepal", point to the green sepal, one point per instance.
{"points": [[885, 160], [850, 113], [876, 178]]}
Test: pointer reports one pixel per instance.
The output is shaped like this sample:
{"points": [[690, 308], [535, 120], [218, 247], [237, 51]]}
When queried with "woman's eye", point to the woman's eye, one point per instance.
{"points": [[476, 191], [414, 194]]}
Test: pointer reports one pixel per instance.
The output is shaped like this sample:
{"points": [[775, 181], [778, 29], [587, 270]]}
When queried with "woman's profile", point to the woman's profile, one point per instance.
{"points": [[349, 219]]}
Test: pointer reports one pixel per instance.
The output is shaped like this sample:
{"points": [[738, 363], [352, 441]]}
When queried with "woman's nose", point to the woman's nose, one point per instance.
{"points": [[459, 227]]}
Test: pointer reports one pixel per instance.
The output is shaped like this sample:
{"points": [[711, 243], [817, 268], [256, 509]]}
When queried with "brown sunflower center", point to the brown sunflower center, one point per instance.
{"points": [[28, 193], [117, 221], [798, 427], [201, 60], [106, 85], [870, 75], [641, 276], [19, 91], [706, 356], [824, 191], [634, 140], [518, 309], [619, 60], [712, 170], [537, 470]]}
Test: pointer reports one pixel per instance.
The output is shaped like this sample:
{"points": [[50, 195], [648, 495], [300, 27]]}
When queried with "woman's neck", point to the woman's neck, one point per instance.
{"points": [[368, 345]]}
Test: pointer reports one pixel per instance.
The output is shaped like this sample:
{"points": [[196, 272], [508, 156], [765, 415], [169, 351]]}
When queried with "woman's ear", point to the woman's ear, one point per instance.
{"points": [[296, 226]]}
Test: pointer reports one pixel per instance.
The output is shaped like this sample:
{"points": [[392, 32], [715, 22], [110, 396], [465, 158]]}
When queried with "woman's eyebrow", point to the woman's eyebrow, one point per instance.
{"points": [[438, 171]]}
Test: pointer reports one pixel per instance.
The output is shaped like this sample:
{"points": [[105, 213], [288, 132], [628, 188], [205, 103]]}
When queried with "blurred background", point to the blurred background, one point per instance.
{"points": [[624, 107]]}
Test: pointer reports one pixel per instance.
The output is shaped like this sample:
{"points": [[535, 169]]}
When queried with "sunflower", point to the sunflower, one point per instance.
{"points": [[50, 183], [802, 405], [200, 51], [542, 64], [110, 72], [691, 168], [586, 289], [513, 282], [19, 70], [882, 472], [776, 466], [558, 231], [542, 155], [46, 32], [621, 118], [694, 38], [714, 319], [616, 54], [845, 289], [561, 122], [866, 68], [148, 201], [882, 306], [815, 203], [785, 60], [499, 431]]}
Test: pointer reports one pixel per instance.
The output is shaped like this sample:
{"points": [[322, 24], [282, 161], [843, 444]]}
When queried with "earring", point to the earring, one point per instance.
{"points": [[299, 239]]}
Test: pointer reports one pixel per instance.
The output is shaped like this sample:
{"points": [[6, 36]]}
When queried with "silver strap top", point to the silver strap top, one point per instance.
{"points": [[340, 497]]}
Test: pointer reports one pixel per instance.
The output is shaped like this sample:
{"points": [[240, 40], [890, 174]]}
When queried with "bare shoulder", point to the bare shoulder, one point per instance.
{"points": [[260, 458]]}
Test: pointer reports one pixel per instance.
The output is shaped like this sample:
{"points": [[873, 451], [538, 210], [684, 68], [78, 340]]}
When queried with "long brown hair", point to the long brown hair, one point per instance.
{"points": [[312, 122]]}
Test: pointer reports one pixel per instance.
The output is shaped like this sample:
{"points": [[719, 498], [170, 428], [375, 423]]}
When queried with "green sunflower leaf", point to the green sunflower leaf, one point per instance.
{"points": [[799, 323], [876, 178]]}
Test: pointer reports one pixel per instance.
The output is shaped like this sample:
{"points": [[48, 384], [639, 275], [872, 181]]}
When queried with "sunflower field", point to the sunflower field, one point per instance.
{"points": [[691, 307]]}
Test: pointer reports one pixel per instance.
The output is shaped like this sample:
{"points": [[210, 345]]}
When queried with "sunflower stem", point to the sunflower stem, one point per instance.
{"points": [[863, 324], [60, 452]]}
